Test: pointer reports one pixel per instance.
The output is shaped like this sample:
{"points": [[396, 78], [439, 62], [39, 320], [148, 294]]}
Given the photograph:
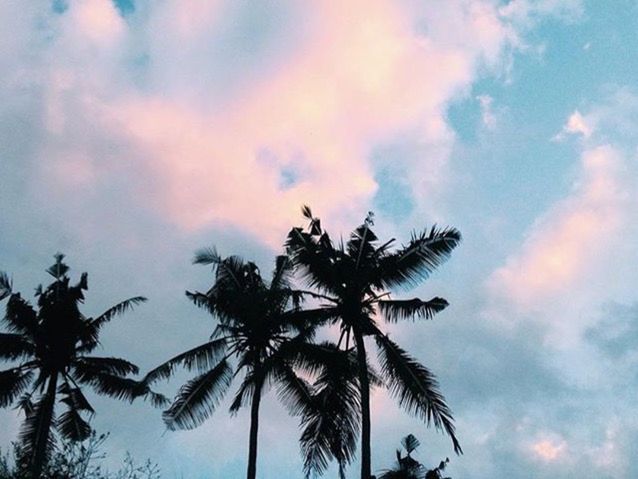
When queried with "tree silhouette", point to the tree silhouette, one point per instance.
{"points": [[409, 468], [260, 328], [352, 279], [52, 345]]}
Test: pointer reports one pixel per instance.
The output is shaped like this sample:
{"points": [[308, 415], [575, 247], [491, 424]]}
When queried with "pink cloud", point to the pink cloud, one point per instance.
{"points": [[575, 236]]}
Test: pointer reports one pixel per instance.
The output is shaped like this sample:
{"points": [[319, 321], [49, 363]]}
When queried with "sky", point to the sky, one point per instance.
{"points": [[134, 132]]}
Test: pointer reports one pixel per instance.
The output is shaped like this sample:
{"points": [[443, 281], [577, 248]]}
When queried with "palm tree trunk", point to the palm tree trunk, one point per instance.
{"points": [[364, 383], [44, 428], [254, 429]]}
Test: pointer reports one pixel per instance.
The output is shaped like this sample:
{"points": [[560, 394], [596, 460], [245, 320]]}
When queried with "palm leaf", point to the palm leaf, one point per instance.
{"points": [[418, 259], [12, 383], [36, 440], [20, 316], [6, 285], [115, 366], [395, 310], [72, 426], [201, 358], [207, 256], [15, 346], [198, 398], [415, 387]]}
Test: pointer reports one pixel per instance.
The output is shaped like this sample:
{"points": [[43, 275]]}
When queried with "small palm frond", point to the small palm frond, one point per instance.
{"points": [[74, 398], [331, 425], [6, 285], [20, 316], [244, 394], [35, 435], [207, 256], [12, 383], [119, 308], [15, 346], [415, 387], [197, 399], [200, 358], [410, 443], [395, 310], [282, 273], [111, 385], [72, 426], [115, 366], [295, 393], [418, 259]]}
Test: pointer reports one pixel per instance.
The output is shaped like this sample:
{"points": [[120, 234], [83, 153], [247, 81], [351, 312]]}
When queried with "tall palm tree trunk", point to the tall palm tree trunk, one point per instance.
{"points": [[364, 383], [44, 428], [254, 429]]}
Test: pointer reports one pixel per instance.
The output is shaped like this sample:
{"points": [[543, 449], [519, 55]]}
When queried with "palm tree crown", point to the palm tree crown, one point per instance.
{"points": [[353, 280], [258, 329], [50, 347]]}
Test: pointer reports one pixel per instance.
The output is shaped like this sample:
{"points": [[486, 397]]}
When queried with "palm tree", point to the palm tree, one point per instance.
{"points": [[353, 281], [52, 346], [409, 468], [258, 326]]}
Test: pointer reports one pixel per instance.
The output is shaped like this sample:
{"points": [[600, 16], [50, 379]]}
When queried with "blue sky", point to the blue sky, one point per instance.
{"points": [[133, 133]]}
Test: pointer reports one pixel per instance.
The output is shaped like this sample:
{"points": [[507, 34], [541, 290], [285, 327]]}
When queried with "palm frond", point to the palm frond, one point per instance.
{"points": [[12, 383], [331, 425], [200, 358], [15, 346], [410, 443], [74, 398], [207, 256], [418, 259], [415, 387], [36, 440], [244, 394], [6, 285], [72, 426], [115, 366], [395, 310], [20, 316], [295, 393], [120, 308], [197, 399], [110, 385]]}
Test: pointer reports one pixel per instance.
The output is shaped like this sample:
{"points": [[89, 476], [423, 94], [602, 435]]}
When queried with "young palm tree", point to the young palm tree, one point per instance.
{"points": [[409, 468], [353, 280], [52, 347], [258, 326]]}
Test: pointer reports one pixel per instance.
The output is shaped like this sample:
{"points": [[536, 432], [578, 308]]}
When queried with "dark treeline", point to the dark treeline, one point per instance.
{"points": [[264, 338]]}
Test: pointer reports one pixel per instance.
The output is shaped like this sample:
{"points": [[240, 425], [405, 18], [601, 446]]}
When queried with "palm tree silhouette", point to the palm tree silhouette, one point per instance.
{"points": [[409, 468], [52, 344], [259, 327], [353, 280]]}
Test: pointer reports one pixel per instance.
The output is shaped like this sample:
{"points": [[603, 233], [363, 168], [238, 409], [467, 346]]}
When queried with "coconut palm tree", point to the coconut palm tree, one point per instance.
{"points": [[258, 329], [353, 280], [409, 468], [51, 347]]}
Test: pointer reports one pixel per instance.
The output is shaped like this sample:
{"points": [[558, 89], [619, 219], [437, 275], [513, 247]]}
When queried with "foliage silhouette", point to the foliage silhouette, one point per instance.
{"points": [[352, 280], [78, 460], [409, 468], [261, 327], [52, 346]]}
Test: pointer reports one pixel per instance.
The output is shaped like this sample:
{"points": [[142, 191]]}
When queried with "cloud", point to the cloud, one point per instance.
{"points": [[568, 243], [288, 112], [576, 125]]}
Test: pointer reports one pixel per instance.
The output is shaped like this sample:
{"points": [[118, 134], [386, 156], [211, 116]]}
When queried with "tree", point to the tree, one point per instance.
{"points": [[409, 468], [259, 327], [52, 346], [353, 281]]}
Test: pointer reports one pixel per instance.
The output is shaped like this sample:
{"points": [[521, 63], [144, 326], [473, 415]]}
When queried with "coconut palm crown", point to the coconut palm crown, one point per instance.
{"points": [[51, 346], [258, 335], [353, 280]]}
